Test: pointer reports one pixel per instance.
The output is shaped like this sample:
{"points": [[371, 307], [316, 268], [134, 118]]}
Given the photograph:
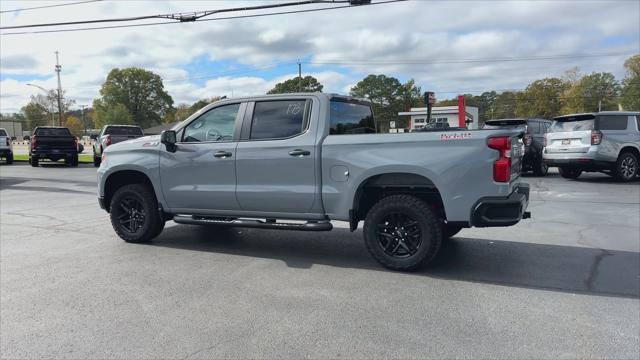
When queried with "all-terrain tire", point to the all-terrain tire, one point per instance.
{"points": [[627, 167], [34, 161], [429, 236], [146, 204], [10, 159], [96, 160], [569, 173], [540, 168]]}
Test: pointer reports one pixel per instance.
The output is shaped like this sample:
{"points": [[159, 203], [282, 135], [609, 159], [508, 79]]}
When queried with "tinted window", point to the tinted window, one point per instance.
{"points": [[53, 132], [613, 122], [278, 119], [638, 122], [351, 118], [533, 127], [579, 125], [215, 125], [3, 133], [123, 130]]}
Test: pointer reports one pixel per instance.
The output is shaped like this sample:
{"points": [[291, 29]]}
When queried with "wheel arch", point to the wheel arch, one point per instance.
{"points": [[117, 179], [376, 186], [632, 149]]}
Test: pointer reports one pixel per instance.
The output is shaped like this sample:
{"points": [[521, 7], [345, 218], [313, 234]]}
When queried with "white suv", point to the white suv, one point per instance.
{"points": [[606, 141]]}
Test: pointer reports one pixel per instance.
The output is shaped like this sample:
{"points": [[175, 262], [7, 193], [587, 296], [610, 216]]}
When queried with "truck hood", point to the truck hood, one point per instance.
{"points": [[145, 142]]}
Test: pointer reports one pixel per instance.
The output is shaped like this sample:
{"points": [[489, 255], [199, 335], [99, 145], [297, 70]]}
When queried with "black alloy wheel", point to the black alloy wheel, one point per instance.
{"points": [[130, 214], [399, 235]]}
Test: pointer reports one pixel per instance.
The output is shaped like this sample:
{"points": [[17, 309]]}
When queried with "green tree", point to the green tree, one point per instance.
{"points": [[389, 96], [74, 125], [36, 115], [630, 93], [114, 114], [293, 85], [141, 92], [598, 91], [543, 98]]}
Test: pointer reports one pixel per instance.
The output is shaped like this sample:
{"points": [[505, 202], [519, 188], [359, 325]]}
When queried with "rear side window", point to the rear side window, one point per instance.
{"points": [[53, 132], [579, 125], [351, 118], [279, 119], [613, 122], [123, 130], [638, 122], [3, 133]]}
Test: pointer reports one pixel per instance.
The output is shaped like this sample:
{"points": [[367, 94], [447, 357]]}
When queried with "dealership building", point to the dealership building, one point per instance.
{"points": [[460, 116]]}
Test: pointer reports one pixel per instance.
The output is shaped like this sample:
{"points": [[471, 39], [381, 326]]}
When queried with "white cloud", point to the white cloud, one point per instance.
{"points": [[428, 30]]}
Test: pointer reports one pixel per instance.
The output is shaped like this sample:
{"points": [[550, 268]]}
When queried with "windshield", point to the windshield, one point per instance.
{"points": [[577, 125], [123, 130], [53, 132]]}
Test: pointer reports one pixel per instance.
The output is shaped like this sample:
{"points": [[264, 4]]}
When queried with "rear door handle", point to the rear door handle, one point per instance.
{"points": [[222, 154], [299, 152]]}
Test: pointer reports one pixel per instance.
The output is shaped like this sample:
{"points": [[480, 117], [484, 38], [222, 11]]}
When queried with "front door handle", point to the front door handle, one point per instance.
{"points": [[222, 154], [299, 152]]}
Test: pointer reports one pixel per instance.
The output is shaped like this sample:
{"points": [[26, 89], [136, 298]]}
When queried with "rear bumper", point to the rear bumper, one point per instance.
{"points": [[502, 211], [52, 153], [582, 163]]}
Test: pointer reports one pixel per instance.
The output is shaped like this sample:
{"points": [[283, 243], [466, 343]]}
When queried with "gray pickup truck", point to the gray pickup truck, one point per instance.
{"points": [[264, 161], [112, 134]]}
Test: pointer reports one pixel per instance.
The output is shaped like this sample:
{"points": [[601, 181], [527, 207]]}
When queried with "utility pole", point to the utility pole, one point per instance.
{"points": [[58, 69], [83, 122], [299, 76]]}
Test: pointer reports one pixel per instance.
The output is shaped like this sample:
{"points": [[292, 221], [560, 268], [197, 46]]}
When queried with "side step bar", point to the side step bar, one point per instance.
{"points": [[309, 226]]}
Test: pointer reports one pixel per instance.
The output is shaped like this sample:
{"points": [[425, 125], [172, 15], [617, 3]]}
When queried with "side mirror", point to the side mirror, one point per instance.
{"points": [[93, 137], [168, 138]]}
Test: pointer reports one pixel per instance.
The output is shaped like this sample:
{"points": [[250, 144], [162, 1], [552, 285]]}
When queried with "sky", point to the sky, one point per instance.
{"points": [[450, 47]]}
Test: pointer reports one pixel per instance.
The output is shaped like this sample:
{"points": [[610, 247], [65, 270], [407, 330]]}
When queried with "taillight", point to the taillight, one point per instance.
{"points": [[34, 142], [527, 140], [596, 137], [8, 141], [545, 141], [502, 166], [107, 141], [76, 141]]}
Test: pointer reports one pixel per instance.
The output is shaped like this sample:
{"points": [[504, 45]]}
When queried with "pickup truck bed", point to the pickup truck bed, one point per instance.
{"points": [[262, 161]]}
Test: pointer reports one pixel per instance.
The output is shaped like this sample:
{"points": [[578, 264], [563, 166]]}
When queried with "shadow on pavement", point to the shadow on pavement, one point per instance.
{"points": [[537, 266]]}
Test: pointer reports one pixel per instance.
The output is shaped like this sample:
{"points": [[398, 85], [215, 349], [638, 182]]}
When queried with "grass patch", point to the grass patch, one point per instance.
{"points": [[83, 158]]}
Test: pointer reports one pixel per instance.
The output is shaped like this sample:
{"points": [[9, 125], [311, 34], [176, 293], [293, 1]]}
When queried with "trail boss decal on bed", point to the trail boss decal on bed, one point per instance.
{"points": [[455, 136]]}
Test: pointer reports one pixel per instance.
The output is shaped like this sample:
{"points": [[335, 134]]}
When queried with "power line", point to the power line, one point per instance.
{"points": [[182, 17], [216, 19], [459, 61], [49, 6]]}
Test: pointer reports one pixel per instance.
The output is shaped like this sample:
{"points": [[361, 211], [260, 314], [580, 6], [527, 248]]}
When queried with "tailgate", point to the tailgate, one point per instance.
{"points": [[569, 142], [46, 143], [120, 138]]}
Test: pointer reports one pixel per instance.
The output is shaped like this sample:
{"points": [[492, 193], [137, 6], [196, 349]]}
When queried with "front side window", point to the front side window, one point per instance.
{"points": [[278, 119], [613, 122], [351, 118], [3, 133], [215, 125]]}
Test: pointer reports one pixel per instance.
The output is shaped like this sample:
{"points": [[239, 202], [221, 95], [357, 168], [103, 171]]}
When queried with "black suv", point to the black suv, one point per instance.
{"points": [[534, 130]]}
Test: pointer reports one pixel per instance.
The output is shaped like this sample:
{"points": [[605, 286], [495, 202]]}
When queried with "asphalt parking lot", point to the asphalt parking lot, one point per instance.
{"points": [[564, 284]]}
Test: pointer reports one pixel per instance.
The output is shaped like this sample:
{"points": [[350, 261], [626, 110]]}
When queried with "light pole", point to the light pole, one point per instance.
{"points": [[50, 102], [83, 122]]}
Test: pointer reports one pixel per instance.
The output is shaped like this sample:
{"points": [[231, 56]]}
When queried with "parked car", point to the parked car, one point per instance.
{"points": [[113, 134], [53, 143], [260, 161], [534, 130], [6, 147], [607, 141]]}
